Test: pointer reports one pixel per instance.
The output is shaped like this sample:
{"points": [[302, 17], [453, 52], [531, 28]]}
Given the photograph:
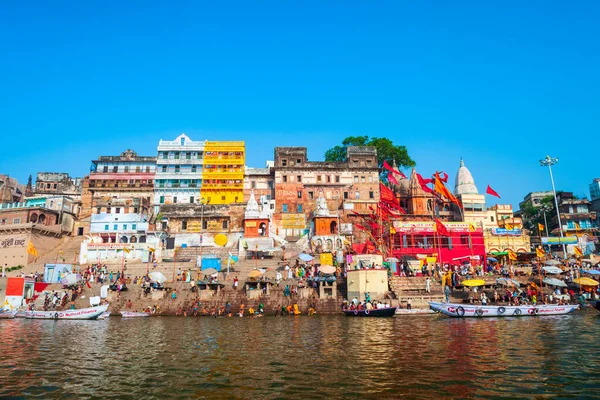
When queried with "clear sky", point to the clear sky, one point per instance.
{"points": [[500, 84]]}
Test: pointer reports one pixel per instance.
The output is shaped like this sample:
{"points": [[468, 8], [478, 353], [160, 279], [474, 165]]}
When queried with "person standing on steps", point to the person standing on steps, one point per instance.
{"points": [[428, 285]]}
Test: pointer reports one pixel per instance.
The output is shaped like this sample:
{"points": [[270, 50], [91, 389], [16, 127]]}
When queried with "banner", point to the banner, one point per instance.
{"points": [[558, 240], [506, 232]]}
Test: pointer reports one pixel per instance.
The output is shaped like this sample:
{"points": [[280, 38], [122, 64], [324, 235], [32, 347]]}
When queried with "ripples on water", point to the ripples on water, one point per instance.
{"points": [[302, 357]]}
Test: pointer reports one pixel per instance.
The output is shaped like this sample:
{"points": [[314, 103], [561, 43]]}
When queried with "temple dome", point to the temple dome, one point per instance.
{"points": [[464, 183], [322, 210], [252, 210]]}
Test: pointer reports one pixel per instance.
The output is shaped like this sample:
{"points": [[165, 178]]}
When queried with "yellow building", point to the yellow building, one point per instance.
{"points": [[223, 172], [503, 232]]}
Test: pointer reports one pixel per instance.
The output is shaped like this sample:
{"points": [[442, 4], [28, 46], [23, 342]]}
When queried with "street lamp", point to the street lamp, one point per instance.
{"points": [[549, 162]]}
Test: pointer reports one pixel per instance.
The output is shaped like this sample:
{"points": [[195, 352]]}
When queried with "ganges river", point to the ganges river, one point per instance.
{"points": [[302, 357]]}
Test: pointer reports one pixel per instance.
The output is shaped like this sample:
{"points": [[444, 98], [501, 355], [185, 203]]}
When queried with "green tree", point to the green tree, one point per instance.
{"points": [[386, 151], [532, 216]]}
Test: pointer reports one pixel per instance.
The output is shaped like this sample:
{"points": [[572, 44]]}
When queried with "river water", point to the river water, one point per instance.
{"points": [[302, 357]]}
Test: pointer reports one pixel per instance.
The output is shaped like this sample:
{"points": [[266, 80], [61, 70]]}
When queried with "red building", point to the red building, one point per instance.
{"points": [[419, 240]]}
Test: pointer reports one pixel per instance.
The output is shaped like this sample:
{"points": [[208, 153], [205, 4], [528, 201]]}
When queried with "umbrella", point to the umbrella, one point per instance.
{"points": [[71, 279], [506, 282], [552, 262], [209, 271], [254, 273], [305, 257], [157, 277], [586, 281], [392, 259], [473, 282], [553, 270], [327, 269], [492, 259], [554, 282], [591, 271], [220, 240]]}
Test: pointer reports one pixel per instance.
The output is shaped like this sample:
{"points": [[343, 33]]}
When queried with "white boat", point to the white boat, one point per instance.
{"points": [[415, 311], [104, 315], [82, 313], [134, 314], [7, 314], [477, 311]]}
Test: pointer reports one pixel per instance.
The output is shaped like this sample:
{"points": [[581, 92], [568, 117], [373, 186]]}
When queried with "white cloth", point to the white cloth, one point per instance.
{"points": [[94, 301], [104, 291]]}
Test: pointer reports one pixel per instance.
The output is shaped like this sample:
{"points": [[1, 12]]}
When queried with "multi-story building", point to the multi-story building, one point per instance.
{"points": [[179, 167], [534, 198], [118, 194], [57, 183], [260, 182], [418, 204], [503, 231], [595, 196], [347, 186], [223, 173], [11, 190]]}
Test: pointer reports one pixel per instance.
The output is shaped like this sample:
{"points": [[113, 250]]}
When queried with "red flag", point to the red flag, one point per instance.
{"points": [[444, 177], [374, 226], [391, 179], [88, 284], [393, 170], [423, 183], [492, 192], [360, 227], [387, 194], [441, 228]]}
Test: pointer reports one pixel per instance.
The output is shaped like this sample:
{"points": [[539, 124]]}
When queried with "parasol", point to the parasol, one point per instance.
{"points": [[473, 282], [327, 269], [554, 282], [553, 270], [586, 281], [254, 273], [209, 271], [157, 277], [552, 262], [71, 279], [305, 257]]}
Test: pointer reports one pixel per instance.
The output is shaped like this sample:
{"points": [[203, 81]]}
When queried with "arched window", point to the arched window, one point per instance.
{"points": [[142, 239], [123, 239], [262, 229], [42, 219], [333, 227], [33, 218], [133, 239]]}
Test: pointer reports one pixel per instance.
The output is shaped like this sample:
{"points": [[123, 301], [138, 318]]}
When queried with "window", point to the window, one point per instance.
{"points": [[311, 195], [138, 169], [105, 168], [177, 168], [118, 210], [105, 227], [176, 155], [54, 186], [299, 178], [98, 210], [298, 161], [299, 194], [135, 209], [492, 218], [222, 198], [225, 224], [284, 178], [147, 169], [115, 227], [328, 179], [126, 168], [16, 220], [284, 208], [164, 168], [371, 195], [284, 163], [253, 184], [191, 199], [188, 156], [362, 179], [184, 224], [357, 195], [182, 141], [194, 168], [174, 199], [124, 227], [108, 210], [346, 195], [115, 169], [356, 179], [299, 208], [204, 224], [337, 179], [318, 178]]}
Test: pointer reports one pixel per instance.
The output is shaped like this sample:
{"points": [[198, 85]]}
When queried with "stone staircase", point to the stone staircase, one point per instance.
{"points": [[414, 288]]}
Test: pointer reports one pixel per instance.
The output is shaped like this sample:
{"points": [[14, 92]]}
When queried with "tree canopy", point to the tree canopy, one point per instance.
{"points": [[532, 216], [386, 151]]}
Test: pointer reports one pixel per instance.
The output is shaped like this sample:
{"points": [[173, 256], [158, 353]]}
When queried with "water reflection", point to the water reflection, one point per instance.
{"points": [[411, 357]]}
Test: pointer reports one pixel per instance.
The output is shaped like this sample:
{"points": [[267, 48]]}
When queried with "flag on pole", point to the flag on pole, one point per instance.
{"points": [[233, 259], [442, 190], [540, 252], [540, 227], [509, 227], [126, 250], [423, 183], [512, 255], [578, 251], [31, 249], [393, 170], [391, 179], [492, 192], [440, 228], [577, 227], [472, 228], [392, 230]]}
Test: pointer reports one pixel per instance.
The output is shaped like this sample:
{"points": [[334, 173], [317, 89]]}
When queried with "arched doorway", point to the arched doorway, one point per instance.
{"points": [[333, 227], [262, 229], [33, 218], [142, 239], [123, 239], [133, 239]]}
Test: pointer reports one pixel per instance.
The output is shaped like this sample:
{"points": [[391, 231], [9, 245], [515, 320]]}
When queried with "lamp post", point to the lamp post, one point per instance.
{"points": [[549, 162], [545, 208]]}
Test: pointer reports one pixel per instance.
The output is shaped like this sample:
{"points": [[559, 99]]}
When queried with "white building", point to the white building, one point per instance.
{"points": [[474, 209], [178, 171]]}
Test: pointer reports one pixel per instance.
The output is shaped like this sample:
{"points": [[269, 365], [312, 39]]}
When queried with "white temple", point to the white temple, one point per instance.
{"points": [[464, 183]]}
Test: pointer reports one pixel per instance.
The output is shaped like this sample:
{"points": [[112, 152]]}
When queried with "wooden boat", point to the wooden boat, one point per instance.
{"points": [[134, 314], [477, 311], [7, 314], [415, 311], [376, 312], [82, 313]]}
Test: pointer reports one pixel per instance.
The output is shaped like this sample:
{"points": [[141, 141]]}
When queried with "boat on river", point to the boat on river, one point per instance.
{"points": [[7, 314], [134, 314], [82, 313], [477, 311], [104, 315], [375, 312], [415, 311]]}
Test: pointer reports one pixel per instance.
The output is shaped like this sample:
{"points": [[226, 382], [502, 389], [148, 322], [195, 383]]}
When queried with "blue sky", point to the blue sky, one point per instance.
{"points": [[500, 84]]}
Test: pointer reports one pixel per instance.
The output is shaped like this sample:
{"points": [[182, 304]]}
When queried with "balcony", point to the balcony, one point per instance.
{"points": [[222, 186], [224, 160], [179, 175], [179, 161]]}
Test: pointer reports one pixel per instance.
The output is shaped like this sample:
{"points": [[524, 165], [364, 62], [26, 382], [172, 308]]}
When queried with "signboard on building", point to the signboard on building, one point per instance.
{"points": [[193, 226], [410, 227], [506, 232], [558, 240], [293, 221]]}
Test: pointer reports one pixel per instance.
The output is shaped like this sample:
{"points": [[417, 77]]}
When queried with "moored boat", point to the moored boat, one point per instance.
{"points": [[134, 314], [477, 311], [82, 313], [7, 314], [104, 315], [415, 311], [375, 312]]}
